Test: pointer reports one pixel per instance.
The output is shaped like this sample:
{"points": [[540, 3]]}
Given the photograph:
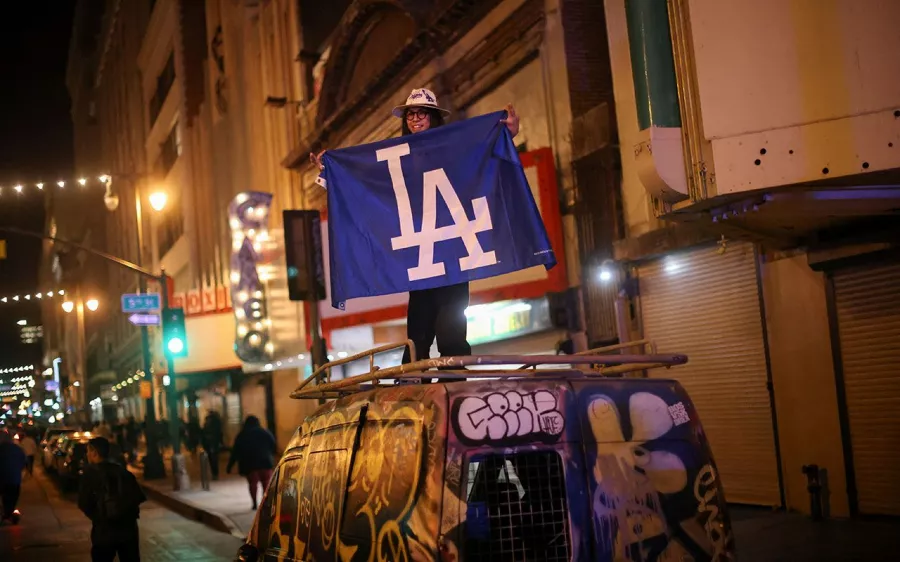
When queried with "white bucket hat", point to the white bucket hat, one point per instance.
{"points": [[420, 97]]}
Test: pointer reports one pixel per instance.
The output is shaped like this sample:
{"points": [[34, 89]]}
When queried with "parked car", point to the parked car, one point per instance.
{"points": [[49, 445], [70, 457], [551, 464]]}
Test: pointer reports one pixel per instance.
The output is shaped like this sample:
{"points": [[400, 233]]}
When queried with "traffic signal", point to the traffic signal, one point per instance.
{"points": [[174, 333]]}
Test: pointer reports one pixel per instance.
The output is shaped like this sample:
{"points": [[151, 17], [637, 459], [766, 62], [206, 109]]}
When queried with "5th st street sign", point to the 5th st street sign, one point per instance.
{"points": [[144, 319], [140, 302]]}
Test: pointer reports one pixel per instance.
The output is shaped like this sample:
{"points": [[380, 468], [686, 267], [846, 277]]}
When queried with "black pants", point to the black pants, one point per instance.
{"points": [[213, 454], [109, 540], [438, 313], [10, 497], [128, 551]]}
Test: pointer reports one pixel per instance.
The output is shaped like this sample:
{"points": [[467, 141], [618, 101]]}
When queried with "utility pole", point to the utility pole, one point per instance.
{"points": [[154, 467], [180, 478]]}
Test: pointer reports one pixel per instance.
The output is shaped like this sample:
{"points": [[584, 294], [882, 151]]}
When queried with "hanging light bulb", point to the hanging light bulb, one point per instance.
{"points": [[82, 181], [40, 186], [18, 189], [61, 184], [104, 178]]}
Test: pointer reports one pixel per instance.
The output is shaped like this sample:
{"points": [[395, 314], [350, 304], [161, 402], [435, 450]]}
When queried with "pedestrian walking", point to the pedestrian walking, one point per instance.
{"points": [[254, 453], [30, 448], [103, 430], [438, 313], [110, 497], [132, 433], [212, 441], [12, 463]]}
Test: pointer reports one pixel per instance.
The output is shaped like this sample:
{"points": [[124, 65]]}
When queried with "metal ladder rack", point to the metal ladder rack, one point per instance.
{"points": [[594, 363]]}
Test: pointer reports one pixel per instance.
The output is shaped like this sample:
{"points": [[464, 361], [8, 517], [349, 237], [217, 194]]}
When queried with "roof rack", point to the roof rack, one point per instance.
{"points": [[595, 363]]}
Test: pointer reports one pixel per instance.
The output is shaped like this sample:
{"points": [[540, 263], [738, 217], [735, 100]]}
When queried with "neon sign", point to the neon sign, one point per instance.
{"points": [[248, 216]]}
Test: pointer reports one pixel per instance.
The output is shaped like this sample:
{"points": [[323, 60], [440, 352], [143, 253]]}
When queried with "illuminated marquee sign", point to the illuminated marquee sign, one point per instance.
{"points": [[248, 217]]}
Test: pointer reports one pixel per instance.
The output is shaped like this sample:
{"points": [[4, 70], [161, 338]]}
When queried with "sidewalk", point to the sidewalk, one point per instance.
{"points": [[54, 529], [224, 507]]}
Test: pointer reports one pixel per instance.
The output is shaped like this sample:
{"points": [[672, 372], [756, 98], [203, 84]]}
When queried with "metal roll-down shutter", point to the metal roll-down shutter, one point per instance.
{"points": [[867, 301], [706, 304]]}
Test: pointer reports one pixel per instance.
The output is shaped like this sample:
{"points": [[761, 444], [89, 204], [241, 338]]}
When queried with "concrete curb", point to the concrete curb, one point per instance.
{"points": [[211, 519]]}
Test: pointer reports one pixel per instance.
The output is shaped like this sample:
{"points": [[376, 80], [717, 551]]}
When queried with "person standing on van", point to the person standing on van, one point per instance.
{"points": [[254, 453], [109, 495], [440, 312]]}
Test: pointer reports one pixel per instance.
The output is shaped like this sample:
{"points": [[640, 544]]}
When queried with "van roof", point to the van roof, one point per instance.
{"points": [[600, 362]]}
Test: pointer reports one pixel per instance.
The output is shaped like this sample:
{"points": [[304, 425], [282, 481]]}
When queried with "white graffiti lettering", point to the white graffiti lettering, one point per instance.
{"points": [[508, 415], [705, 491], [434, 182]]}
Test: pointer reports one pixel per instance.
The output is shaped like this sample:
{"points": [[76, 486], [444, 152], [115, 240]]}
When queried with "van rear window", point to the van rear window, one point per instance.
{"points": [[516, 508]]}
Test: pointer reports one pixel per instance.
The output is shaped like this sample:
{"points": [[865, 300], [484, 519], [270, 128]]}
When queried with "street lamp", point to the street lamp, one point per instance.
{"points": [[68, 306], [93, 304], [158, 200]]}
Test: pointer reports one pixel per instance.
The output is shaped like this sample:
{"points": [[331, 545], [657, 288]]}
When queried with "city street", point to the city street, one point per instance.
{"points": [[52, 528]]}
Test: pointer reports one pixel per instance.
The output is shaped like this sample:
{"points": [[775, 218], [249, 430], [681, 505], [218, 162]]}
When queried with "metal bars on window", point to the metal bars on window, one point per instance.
{"points": [[516, 508]]}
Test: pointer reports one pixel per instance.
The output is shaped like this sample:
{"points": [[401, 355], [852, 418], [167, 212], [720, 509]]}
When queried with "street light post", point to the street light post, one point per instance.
{"points": [[154, 467]]}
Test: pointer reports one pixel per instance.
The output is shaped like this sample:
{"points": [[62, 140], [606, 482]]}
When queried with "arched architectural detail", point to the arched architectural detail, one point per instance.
{"points": [[371, 35]]}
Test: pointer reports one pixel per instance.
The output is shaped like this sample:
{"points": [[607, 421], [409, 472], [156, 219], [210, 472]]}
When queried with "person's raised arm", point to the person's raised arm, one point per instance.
{"points": [[511, 121], [317, 160]]}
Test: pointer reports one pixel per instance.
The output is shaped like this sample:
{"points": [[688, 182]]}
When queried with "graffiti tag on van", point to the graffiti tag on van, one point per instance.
{"points": [[505, 416]]}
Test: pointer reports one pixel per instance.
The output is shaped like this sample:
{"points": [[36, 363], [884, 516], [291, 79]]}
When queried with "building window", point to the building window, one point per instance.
{"points": [[516, 508], [169, 151], [163, 84], [170, 225]]}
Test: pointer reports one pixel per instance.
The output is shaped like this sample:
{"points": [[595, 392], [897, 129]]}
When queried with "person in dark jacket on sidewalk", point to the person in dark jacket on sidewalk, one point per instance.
{"points": [[254, 453], [212, 441], [111, 497], [12, 463]]}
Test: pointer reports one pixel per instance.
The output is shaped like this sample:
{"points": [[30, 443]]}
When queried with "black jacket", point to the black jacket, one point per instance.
{"points": [[90, 493], [254, 449]]}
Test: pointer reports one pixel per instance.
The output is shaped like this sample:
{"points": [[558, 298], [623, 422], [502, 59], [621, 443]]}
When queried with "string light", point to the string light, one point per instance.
{"points": [[85, 181], [28, 296], [18, 369]]}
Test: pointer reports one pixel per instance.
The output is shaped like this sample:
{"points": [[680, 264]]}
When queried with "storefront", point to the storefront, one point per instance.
{"points": [[705, 303], [866, 309]]}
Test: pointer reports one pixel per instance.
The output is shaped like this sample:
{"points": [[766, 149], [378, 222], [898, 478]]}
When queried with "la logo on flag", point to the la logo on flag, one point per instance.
{"points": [[434, 182]]}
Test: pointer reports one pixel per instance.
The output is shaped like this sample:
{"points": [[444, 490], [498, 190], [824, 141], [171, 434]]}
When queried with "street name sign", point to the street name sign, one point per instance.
{"points": [[141, 302], [144, 319]]}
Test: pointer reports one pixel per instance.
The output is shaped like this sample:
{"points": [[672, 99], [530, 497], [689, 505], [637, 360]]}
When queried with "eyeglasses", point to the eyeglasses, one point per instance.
{"points": [[416, 114]]}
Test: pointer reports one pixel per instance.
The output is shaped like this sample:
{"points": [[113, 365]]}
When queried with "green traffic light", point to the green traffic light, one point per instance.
{"points": [[176, 345], [175, 342]]}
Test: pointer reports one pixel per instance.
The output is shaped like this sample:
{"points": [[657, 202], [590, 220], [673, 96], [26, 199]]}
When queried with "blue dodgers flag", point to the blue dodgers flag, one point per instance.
{"points": [[437, 208]]}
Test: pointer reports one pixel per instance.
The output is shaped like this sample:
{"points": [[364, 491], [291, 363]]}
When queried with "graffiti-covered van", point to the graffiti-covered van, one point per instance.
{"points": [[499, 465]]}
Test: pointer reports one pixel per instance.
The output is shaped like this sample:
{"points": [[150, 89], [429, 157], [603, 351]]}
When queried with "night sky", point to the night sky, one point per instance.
{"points": [[35, 144]]}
